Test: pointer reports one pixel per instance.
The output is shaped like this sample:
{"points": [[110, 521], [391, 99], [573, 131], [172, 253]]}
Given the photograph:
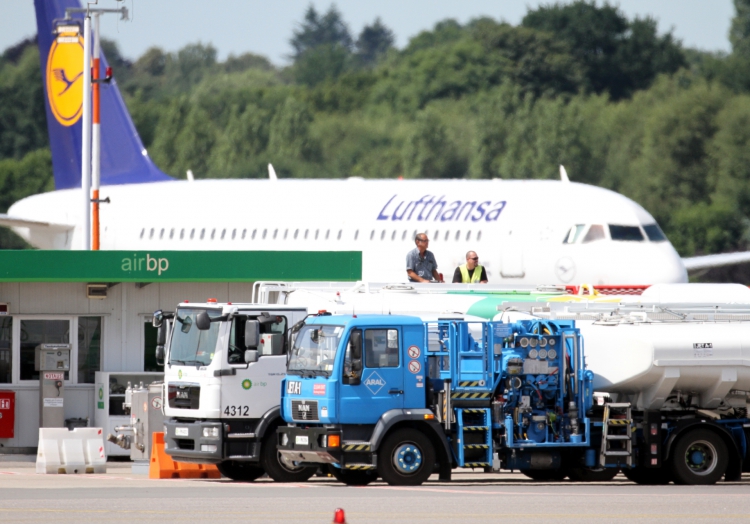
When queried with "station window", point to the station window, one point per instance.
{"points": [[6, 349], [89, 348], [35, 332]]}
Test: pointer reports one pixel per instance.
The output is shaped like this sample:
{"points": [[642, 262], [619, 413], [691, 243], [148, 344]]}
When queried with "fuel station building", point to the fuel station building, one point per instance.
{"points": [[101, 304]]}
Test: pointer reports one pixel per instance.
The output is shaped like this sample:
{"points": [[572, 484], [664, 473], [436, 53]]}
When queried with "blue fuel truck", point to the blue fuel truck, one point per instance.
{"points": [[401, 398]]}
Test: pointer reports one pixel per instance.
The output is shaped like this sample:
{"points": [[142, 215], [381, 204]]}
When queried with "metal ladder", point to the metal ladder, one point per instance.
{"points": [[617, 436], [474, 423]]}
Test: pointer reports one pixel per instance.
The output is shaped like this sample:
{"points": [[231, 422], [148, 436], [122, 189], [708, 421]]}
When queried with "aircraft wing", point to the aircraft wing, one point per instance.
{"points": [[722, 259], [9, 221]]}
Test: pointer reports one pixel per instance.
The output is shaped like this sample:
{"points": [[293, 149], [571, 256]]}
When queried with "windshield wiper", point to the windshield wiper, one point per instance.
{"points": [[196, 363], [175, 361]]}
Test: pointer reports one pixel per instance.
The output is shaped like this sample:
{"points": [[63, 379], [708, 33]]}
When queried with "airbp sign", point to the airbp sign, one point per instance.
{"points": [[64, 81]]}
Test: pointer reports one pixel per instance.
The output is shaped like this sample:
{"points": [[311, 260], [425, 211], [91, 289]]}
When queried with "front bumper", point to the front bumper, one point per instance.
{"points": [[307, 445], [184, 441]]}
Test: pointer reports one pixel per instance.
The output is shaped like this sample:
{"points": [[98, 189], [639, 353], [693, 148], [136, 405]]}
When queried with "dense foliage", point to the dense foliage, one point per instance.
{"points": [[578, 84]]}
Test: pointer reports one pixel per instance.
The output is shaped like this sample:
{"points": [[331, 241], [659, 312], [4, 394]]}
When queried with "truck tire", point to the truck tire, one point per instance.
{"points": [[406, 458], [242, 471], [353, 477], [278, 470], [584, 474], [648, 476], [699, 457], [545, 475]]}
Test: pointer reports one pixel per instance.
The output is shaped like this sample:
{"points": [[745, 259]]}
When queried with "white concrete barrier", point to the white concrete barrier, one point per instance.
{"points": [[78, 451]]}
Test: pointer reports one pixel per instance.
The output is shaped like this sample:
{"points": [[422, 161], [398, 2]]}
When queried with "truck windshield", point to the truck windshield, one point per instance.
{"points": [[190, 346], [314, 350]]}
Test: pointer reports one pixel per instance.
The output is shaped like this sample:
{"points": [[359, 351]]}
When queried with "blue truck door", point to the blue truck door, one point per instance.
{"points": [[382, 385]]}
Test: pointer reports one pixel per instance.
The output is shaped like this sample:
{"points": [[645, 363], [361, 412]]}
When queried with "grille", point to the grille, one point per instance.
{"points": [[184, 396], [185, 444], [305, 409]]}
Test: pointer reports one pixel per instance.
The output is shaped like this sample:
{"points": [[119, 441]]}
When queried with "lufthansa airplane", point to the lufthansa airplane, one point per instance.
{"points": [[524, 231]]}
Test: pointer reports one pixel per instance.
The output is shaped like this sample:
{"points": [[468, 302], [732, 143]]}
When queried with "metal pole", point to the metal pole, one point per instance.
{"points": [[86, 134], [96, 147]]}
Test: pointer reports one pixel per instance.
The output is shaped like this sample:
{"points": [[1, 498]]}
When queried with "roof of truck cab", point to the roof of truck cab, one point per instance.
{"points": [[365, 320]]}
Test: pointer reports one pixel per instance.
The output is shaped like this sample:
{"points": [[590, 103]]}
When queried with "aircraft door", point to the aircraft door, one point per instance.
{"points": [[381, 387], [511, 254]]}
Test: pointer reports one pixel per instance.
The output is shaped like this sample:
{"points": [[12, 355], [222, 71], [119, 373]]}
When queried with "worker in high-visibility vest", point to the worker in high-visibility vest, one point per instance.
{"points": [[470, 273]]}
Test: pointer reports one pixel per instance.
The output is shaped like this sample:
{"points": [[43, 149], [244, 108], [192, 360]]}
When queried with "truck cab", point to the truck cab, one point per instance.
{"points": [[224, 364]]}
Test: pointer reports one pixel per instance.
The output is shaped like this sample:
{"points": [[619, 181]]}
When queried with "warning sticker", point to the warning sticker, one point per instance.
{"points": [[53, 402], [414, 352], [415, 367], [156, 402]]}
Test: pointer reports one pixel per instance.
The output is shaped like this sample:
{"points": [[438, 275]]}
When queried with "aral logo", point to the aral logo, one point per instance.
{"points": [[374, 382], [65, 81]]}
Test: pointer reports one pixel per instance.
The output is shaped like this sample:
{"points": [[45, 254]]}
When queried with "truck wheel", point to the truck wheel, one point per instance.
{"points": [[278, 469], [648, 476], [699, 457], [406, 458], [243, 471], [545, 475], [353, 477], [584, 474]]}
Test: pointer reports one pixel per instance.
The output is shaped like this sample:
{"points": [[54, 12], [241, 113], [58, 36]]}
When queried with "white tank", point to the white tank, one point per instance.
{"points": [[646, 362]]}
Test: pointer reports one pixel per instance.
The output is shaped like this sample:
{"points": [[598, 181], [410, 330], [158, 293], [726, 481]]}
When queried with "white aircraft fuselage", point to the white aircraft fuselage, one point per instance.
{"points": [[524, 231]]}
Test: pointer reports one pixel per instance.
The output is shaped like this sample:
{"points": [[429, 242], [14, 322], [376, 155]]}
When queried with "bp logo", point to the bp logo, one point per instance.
{"points": [[247, 383], [65, 81], [179, 374], [101, 393]]}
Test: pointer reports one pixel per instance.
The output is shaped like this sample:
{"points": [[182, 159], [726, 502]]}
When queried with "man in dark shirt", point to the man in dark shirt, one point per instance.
{"points": [[471, 272], [421, 265]]}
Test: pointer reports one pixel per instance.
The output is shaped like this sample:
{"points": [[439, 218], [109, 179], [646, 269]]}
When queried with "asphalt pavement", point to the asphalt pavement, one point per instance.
{"points": [[122, 496]]}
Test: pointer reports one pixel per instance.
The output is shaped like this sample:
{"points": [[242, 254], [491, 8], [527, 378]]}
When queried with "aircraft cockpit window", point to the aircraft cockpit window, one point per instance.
{"points": [[654, 233], [626, 233], [574, 234], [596, 232]]}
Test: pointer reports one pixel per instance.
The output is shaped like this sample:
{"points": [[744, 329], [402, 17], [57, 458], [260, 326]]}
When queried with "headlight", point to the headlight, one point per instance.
{"points": [[211, 432], [552, 342], [533, 353], [284, 439], [542, 353], [210, 448], [524, 342], [543, 342], [552, 353], [533, 342]]}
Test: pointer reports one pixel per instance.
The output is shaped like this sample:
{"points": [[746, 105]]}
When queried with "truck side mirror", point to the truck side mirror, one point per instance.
{"points": [[158, 318], [251, 355], [355, 354], [159, 353], [203, 321], [252, 332]]}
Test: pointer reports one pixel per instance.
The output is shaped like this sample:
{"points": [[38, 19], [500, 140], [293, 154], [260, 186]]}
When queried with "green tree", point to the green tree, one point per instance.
{"points": [[289, 141], [239, 150], [316, 31], [373, 43], [428, 152], [739, 32]]}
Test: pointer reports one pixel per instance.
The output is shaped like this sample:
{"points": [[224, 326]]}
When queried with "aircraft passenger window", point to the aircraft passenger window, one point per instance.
{"points": [[244, 232], [264, 233], [182, 233], [213, 233], [382, 235], [203, 233], [286, 232], [161, 233], [393, 235], [339, 236], [275, 232], [328, 233], [151, 234], [296, 232], [306, 230], [316, 233], [403, 237], [574, 233], [654, 233], [143, 232], [252, 237], [356, 234], [626, 233], [468, 235], [234, 234], [223, 233], [192, 233], [446, 235], [458, 234], [372, 234], [596, 232], [479, 236], [171, 233], [436, 236]]}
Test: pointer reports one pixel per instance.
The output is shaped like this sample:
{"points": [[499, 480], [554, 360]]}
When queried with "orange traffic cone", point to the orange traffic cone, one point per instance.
{"points": [[339, 517]]}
